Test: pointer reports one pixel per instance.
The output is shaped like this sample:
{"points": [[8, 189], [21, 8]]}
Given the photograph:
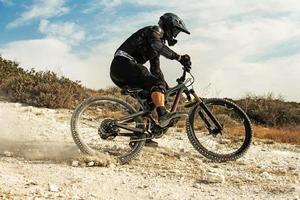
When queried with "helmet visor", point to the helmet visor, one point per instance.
{"points": [[181, 26]]}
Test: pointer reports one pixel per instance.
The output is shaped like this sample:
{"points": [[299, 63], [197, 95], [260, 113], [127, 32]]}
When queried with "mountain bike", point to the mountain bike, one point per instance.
{"points": [[217, 128]]}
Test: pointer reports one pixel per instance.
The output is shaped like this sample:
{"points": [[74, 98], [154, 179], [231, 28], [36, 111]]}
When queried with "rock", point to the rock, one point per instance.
{"points": [[182, 150], [211, 177], [61, 195], [182, 159], [214, 178], [197, 185], [269, 142], [179, 130], [175, 171], [82, 164], [91, 163], [266, 175], [75, 163], [181, 180], [31, 183], [53, 187], [251, 179], [292, 168], [38, 198], [112, 165], [295, 189], [264, 149], [241, 162], [38, 191], [274, 162], [8, 154], [283, 171]]}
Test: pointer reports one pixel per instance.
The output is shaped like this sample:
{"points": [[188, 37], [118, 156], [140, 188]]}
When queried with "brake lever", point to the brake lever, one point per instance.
{"points": [[182, 78]]}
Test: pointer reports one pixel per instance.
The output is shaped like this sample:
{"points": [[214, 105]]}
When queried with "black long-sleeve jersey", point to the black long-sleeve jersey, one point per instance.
{"points": [[147, 44]]}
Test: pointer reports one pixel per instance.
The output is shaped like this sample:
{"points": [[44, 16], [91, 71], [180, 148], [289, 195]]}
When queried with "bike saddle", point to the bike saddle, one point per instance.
{"points": [[126, 90]]}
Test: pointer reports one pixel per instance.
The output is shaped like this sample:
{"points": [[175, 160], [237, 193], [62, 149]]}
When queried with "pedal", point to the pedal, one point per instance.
{"points": [[174, 121]]}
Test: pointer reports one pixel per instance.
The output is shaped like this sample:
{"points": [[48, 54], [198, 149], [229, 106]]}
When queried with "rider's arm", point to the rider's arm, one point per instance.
{"points": [[156, 71], [155, 68], [155, 35]]}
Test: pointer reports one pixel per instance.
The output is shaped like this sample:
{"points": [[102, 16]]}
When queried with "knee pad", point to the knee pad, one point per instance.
{"points": [[158, 88]]}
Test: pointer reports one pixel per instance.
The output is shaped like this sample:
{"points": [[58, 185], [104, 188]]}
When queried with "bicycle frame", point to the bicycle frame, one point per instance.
{"points": [[178, 89]]}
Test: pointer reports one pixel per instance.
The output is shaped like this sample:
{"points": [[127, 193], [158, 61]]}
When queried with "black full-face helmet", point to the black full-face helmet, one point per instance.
{"points": [[172, 26]]}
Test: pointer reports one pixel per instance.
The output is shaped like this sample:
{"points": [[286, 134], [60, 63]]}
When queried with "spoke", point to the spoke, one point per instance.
{"points": [[88, 137], [208, 138], [89, 125]]}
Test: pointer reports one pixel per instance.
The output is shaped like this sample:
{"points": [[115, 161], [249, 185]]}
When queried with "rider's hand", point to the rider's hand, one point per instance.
{"points": [[185, 60]]}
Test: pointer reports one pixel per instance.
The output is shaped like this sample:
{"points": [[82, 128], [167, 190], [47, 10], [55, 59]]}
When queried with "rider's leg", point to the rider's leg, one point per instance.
{"points": [[137, 75], [158, 98], [164, 117]]}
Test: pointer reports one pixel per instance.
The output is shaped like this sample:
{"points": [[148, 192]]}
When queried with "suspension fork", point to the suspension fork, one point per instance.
{"points": [[207, 111]]}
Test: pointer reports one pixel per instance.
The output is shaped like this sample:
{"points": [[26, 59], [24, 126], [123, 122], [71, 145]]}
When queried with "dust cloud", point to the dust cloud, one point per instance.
{"points": [[22, 136]]}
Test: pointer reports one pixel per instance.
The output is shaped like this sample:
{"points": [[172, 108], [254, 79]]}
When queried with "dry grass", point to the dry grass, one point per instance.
{"points": [[289, 135], [285, 135]]}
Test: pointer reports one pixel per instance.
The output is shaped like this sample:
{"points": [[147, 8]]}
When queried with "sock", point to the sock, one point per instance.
{"points": [[161, 110]]}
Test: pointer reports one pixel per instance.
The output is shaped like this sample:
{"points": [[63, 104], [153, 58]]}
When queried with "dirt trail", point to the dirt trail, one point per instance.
{"points": [[37, 152]]}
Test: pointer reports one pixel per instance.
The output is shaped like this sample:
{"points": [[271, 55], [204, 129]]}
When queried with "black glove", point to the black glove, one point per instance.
{"points": [[185, 60]]}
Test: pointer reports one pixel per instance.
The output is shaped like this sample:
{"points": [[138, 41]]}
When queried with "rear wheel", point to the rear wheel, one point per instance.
{"points": [[230, 143], [94, 131]]}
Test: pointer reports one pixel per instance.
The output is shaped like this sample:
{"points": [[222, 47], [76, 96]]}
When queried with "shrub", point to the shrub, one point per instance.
{"points": [[41, 89], [46, 89], [270, 111]]}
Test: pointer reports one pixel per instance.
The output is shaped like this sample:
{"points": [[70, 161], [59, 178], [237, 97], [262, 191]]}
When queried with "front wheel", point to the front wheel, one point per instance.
{"points": [[231, 142]]}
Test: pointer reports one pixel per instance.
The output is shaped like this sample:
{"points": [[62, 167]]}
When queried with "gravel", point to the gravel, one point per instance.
{"points": [[39, 160]]}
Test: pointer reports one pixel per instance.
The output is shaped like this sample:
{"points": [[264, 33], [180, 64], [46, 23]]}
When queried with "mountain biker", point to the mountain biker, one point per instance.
{"points": [[147, 44]]}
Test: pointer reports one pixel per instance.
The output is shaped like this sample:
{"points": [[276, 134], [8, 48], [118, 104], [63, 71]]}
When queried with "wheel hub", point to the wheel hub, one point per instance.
{"points": [[108, 129]]}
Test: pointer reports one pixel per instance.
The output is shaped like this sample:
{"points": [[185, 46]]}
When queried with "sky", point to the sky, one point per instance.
{"points": [[238, 47]]}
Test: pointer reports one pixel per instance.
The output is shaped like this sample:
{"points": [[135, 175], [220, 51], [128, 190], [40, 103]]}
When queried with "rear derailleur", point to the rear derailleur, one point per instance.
{"points": [[108, 129]]}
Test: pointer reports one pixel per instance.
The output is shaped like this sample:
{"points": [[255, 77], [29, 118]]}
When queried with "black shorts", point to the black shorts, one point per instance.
{"points": [[126, 72]]}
